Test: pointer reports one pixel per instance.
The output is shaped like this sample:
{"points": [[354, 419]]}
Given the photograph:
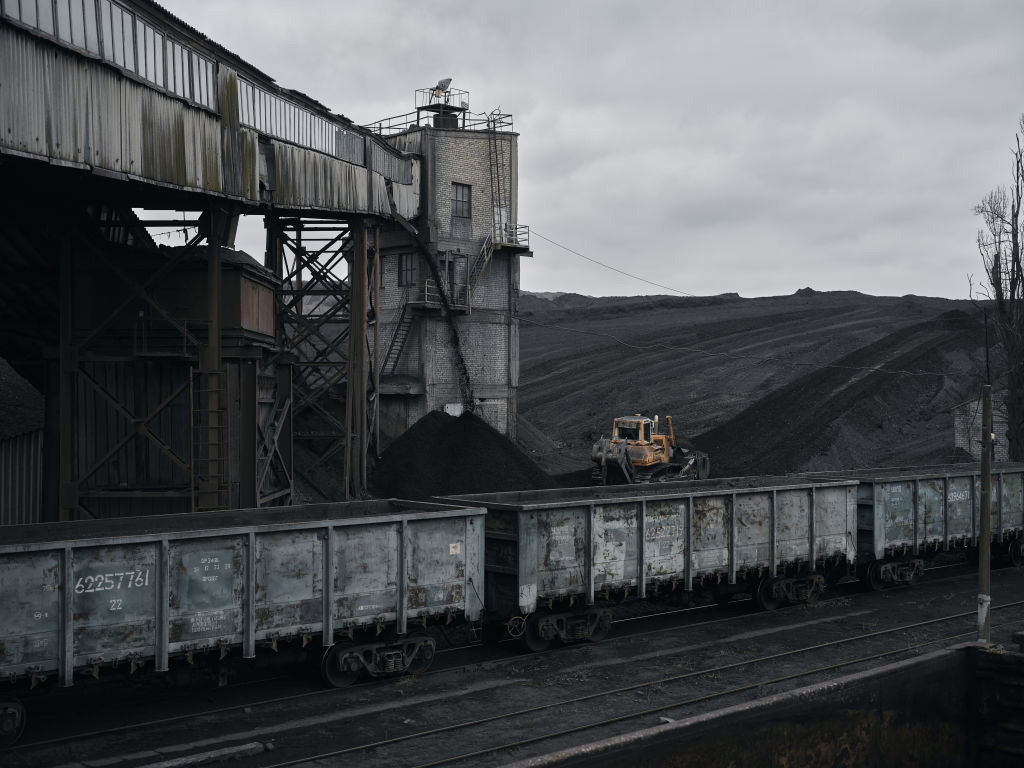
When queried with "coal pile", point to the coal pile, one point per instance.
{"points": [[442, 455]]}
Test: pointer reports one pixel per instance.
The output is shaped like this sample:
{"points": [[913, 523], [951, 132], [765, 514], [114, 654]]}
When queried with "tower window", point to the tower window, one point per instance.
{"points": [[461, 196], [407, 269]]}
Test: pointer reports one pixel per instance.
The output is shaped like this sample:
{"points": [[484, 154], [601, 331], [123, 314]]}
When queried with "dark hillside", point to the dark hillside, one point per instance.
{"points": [[706, 360], [874, 407]]}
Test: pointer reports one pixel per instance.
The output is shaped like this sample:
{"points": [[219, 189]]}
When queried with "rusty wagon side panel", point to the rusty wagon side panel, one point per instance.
{"points": [[88, 594], [584, 542], [916, 510]]}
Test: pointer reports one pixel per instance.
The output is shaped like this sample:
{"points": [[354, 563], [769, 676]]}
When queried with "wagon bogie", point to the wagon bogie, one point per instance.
{"points": [[882, 574], [345, 662], [541, 629]]}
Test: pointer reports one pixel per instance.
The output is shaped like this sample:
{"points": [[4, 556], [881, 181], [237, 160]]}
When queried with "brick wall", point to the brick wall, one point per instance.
{"points": [[488, 338], [967, 432], [464, 157]]}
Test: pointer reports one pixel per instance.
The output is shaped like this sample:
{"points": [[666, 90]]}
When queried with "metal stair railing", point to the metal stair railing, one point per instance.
{"points": [[398, 338], [480, 261]]}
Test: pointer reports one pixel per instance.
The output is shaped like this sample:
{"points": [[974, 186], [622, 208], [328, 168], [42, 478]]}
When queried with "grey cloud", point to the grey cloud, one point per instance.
{"points": [[743, 146]]}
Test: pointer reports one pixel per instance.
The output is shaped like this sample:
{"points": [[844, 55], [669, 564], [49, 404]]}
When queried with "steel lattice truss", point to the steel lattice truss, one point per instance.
{"points": [[316, 260]]}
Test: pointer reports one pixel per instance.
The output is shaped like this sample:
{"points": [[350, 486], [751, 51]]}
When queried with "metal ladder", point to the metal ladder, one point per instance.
{"points": [[209, 443]]}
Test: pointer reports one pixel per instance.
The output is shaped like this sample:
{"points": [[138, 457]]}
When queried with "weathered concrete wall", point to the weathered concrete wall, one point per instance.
{"points": [[997, 704], [912, 713], [425, 376]]}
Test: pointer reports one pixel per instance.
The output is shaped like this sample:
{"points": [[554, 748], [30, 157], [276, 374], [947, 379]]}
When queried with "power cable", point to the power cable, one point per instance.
{"points": [[608, 266]]}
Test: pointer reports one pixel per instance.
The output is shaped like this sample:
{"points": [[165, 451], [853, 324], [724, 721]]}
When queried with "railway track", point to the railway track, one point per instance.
{"points": [[710, 671], [676, 690], [449, 659]]}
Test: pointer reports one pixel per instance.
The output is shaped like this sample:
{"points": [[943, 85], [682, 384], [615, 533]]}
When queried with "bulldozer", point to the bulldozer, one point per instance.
{"points": [[641, 453]]}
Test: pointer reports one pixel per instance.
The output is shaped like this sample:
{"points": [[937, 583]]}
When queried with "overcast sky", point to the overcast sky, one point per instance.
{"points": [[710, 147]]}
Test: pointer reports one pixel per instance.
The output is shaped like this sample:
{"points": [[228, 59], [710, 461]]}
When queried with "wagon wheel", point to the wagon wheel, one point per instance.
{"points": [[874, 577], [12, 721], [534, 641], [601, 628], [764, 598], [1016, 553], [338, 671], [424, 655]]}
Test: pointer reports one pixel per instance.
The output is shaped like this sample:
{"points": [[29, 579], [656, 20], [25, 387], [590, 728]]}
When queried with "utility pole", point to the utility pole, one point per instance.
{"points": [[985, 536]]}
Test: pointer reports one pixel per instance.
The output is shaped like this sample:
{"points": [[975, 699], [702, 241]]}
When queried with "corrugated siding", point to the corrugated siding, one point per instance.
{"points": [[21, 479], [67, 105], [407, 196], [309, 179], [250, 164], [56, 104], [105, 119], [389, 163], [23, 93]]}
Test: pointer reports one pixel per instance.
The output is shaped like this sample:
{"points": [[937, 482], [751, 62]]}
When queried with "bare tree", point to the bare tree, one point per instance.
{"points": [[999, 244]]}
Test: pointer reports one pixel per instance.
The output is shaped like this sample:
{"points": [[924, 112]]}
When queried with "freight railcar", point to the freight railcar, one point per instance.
{"points": [[908, 515], [359, 578], [557, 560]]}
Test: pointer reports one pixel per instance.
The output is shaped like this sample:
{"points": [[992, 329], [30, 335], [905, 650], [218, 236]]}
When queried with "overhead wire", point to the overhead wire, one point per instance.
{"points": [[609, 266], [698, 350]]}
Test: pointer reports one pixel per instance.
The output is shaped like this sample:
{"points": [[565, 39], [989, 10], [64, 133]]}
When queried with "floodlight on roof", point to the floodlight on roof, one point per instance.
{"points": [[442, 85]]}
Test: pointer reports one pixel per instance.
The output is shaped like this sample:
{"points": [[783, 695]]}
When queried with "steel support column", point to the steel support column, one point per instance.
{"points": [[356, 389], [68, 364], [210, 487]]}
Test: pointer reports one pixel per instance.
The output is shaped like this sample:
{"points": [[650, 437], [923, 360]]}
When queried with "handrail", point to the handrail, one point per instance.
{"points": [[481, 121], [512, 234], [457, 295]]}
